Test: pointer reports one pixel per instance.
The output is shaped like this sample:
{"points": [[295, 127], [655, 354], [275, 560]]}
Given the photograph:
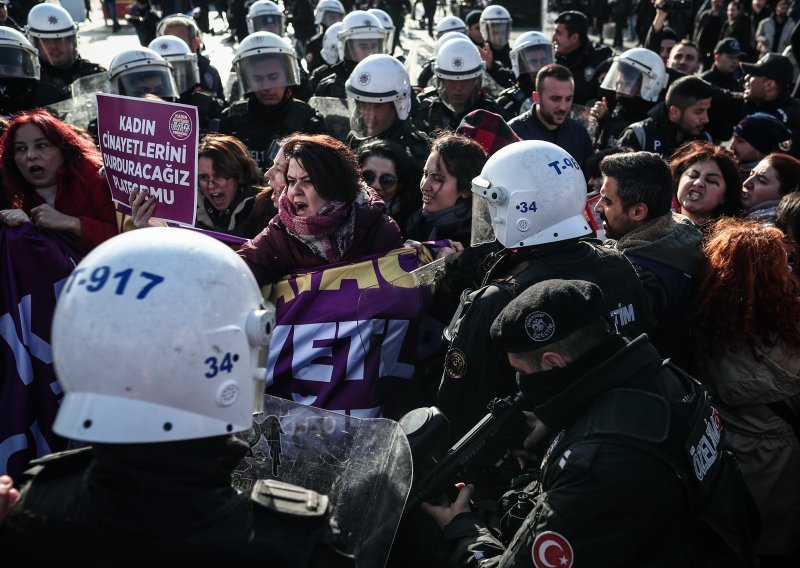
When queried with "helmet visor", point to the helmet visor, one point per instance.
{"points": [[458, 95], [18, 63], [534, 57], [496, 33], [357, 48], [371, 119], [57, 51], [186, 74], [330, 17], [267, 23], [266, 71], [482, 230], [624, 79], [152, 81]]}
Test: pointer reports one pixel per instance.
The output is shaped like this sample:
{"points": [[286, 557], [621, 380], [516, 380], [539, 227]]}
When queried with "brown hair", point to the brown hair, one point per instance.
{"points": [[331, 165], [700, 151], [230, 159]]}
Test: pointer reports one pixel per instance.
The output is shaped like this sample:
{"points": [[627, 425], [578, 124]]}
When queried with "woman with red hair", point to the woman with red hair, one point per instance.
{"points": [[748, 339], [51, 177]]}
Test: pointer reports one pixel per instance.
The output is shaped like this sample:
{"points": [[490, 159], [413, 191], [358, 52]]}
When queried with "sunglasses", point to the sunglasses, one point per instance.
{"points": [[386, 181]]}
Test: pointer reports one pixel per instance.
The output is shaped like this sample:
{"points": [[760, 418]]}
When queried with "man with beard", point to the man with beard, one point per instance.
{"points": [[267, 69], [549, 118], [665, 247], [637, 79], [681, 117], [575, 51]]}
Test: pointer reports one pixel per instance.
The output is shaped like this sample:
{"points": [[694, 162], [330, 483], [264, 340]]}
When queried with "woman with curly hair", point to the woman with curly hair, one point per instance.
{"points": [[748, 353], [326, 214], [706, 181], [51, 177]]}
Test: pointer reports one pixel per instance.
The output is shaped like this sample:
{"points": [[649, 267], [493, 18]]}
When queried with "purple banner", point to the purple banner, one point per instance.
{"points": [[35, 265], [150, 146], [346, 335]]}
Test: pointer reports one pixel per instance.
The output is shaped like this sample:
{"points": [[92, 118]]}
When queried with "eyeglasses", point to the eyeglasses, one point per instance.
{"points": [[386, 181], [208, 180]]}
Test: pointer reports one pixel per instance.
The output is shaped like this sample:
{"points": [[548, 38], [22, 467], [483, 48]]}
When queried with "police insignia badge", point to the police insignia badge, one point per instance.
{"points": [[588, 73], [551, 550], [455, 363]]}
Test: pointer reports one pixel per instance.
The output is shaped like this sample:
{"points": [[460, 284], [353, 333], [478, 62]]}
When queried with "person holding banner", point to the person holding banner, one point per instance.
{"points": [[326, 215], [51, 176]]}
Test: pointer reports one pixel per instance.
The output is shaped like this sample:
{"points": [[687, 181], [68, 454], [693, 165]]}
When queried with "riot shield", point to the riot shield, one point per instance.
{"points": [[363, 466], [583, 114], [81, 108], [336, 113]]}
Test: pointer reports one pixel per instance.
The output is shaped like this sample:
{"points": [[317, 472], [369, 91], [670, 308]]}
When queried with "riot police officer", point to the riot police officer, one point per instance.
{"points": [[267, 70], [20, 88], [530, 198], [361, 35], [458, 87], [381, 98], [159, 470], [187, 79], [531, 52], [327, 13], [576, 51], [53, 32], [142, 71]]}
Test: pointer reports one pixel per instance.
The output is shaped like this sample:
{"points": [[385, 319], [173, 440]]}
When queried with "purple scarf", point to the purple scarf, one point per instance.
{"points": [[328, 234]]}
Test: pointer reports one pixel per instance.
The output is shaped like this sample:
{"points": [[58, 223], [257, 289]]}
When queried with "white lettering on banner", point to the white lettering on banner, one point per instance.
{"points": [[163, 195], [623, 315], [314, 342], [140, 148], [704, 453], [165, 173], [137, 125]]}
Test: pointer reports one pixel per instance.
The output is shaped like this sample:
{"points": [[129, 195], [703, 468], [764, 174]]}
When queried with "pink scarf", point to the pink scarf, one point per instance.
{"points": [[328, 234]]}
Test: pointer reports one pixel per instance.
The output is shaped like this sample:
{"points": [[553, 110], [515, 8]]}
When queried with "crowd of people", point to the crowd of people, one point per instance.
{"points": [[618, 235]]}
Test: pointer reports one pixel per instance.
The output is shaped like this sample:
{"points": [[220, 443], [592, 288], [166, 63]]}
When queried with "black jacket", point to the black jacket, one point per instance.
{"points": [[572, 136]]}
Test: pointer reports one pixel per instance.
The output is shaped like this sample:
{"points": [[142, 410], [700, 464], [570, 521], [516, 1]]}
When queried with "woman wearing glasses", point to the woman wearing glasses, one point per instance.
{"points": [[392, 174], [228, 180], [446, 188], [326, 214]]}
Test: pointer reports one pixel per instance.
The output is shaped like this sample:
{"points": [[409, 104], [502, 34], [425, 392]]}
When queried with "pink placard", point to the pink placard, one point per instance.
{"points": [[151, 146]]}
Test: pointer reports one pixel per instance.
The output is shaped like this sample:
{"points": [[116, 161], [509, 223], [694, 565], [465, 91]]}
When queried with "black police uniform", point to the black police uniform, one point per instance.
{"points": [[510, 100], [786, 109], [314, 49], [116, 506], [26, 94], [63, 78], [476, 369], [209, 108], [332, 85], [627, 111], [432, 113], [260, 127], [582, 62], [416, 143], [210, 79], [637, 462], [656, 134]]}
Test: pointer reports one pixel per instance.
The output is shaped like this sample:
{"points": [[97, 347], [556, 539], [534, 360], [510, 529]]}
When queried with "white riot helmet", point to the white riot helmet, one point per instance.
{"points": [[444, 38], [361, 35], [18, 58], [533, 192], [458, 60], [265, 61], [330, 44], [450, 24], [495, 24], [328, 12], [388, 26], [182, 60], [51, 21], [161, 370], [638, 72], [265, 16], [531, 52], [379, 78], [141, 71]]}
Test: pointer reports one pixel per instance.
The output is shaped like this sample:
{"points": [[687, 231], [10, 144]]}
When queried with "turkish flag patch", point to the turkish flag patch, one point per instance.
{"points": [[552, 550]]}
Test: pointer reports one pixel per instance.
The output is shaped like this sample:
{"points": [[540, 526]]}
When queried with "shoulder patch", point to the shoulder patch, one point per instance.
{"points": [[289, 499], [551, 549], [455, 363]]}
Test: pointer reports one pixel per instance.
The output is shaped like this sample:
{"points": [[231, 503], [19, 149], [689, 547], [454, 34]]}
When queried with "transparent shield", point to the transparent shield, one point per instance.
{"points": [[81, 108], [336, 113], [266, 71], [364, 466], [624, 79]]}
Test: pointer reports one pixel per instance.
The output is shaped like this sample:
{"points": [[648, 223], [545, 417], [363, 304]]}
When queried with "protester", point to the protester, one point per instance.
{"points": [[393, 175], [788, 221], [155, 485], [772, 178], [748, 352], [51, 176], [266, 204], [326, 215], [446, 211], [706, 182], [755, 136]]}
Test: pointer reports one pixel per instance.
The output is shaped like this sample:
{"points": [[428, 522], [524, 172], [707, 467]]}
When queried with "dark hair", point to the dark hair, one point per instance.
{"points": [[331, 165], [642, 177], [686, 91], [789, 213], [408, 172], [463, 157], [231, 159], [75, 148], [788, 169], [554, 70], [591, 167], [575, 23], [700, 151]]}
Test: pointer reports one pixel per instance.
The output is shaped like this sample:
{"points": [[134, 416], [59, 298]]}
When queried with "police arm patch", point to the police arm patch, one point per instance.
{"points": [[552, 550]]}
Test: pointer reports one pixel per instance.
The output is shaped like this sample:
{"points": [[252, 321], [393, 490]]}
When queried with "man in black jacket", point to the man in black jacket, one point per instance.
{"points": [[576, 51]]}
